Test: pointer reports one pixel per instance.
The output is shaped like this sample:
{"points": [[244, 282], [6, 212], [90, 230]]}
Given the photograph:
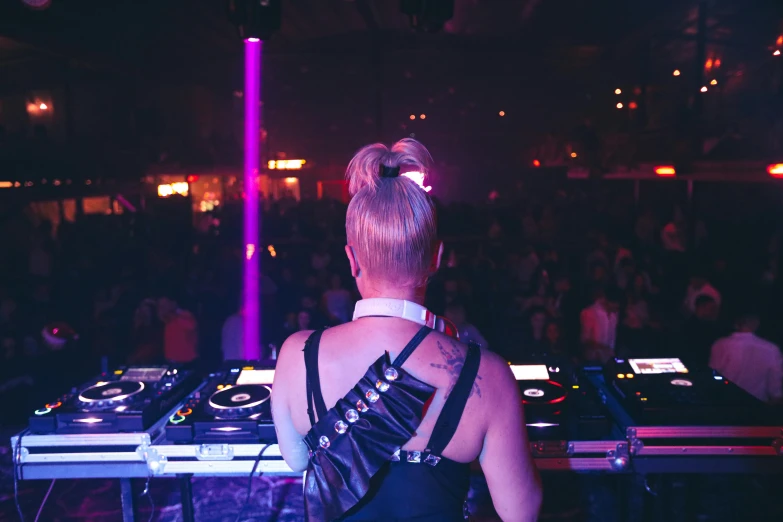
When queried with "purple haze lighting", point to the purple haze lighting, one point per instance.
{"points": [[251, 331]]}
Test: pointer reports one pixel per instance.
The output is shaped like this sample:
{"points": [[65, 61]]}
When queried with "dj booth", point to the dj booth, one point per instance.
{"points": [[640, 416]]}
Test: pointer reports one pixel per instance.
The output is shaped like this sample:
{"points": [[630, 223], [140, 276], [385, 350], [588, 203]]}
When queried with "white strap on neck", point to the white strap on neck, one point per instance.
{"points": [[382, 307]]}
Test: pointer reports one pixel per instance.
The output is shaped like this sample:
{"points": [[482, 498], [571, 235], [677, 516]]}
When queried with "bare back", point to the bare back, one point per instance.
{"points": [[491, 428]]}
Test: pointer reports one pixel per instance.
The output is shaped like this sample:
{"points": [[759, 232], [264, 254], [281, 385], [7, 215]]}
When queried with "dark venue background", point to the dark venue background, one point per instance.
{"points": [[547, 120]]}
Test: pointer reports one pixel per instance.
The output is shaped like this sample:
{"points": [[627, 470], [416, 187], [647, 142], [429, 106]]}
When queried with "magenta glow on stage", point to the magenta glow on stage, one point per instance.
{"points": [[251, 331]]}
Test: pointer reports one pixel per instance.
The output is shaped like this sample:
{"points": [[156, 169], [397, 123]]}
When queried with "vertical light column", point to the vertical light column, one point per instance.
{"points": [[251, 299]]}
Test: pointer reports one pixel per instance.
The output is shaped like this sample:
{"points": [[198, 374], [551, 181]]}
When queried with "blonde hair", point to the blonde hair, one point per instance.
{"points": [[391, 222]]}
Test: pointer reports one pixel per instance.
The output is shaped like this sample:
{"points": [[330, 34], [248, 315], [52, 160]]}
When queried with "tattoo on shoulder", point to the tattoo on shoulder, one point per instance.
{"points": [[453, 361]]}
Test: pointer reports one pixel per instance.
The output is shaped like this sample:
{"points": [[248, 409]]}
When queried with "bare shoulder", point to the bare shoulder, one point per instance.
{"points": [[290, 356], [493, 371], [295, 341]]}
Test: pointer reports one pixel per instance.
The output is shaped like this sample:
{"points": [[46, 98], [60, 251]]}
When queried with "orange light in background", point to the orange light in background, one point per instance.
{"points": [[6, 184], [776, 170], [714, 82], [271, 250], [412, 116], [776, 53], [502, 113], [536, 163], [192, 178], [665, 171], [633, 105], [779, 41], [708, 63], [169, 189], [293, 164], [676, 72], [43, 106], [717, 62], [423, 116], [290, 181], [619, 105], [618, 91], [573, 154], [703, 89]]}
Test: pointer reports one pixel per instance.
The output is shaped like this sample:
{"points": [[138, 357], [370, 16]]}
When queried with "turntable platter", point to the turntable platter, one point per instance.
{"points": [[111, 391], [541, 392], [239, 400]]}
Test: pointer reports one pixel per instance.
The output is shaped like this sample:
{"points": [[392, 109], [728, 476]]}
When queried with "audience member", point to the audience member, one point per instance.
{"points": [[750, 362]]}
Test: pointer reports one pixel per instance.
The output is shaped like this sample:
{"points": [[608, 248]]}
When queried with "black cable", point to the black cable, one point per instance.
{"points": [[250, 480], [17, 459], [43, 503], [149, 496]]}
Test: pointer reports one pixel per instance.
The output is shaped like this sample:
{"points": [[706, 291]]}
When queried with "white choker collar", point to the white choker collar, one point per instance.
{"points": [[382, 307]]}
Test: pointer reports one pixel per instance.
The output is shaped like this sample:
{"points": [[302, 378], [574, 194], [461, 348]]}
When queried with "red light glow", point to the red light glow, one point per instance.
{"points": [[536, 163], [633, 105], [192, 178], [665, 171], [776, 170]]}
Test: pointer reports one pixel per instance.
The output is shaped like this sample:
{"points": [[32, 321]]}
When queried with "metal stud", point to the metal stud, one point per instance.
{"points": [[395, 456], [361, 406], [414, 456], [372, 396], [391, 374], [340, 427], [431, 459], [352, 416], [324, 441], [382, 386]]}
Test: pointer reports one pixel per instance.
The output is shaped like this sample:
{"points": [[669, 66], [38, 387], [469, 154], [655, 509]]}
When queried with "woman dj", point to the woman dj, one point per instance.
{"points": [[398, 445]]}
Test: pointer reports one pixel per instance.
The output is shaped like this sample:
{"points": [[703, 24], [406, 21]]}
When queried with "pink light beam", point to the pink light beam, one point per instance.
{"points": [[251, 304]]}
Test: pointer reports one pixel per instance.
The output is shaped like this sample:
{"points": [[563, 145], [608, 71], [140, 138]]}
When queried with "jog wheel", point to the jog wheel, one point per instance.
{"points": [[110, 393], [239, 401], [541, 393]]}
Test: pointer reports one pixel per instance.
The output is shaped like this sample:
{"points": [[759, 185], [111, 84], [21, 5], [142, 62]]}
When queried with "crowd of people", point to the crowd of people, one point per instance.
{"points": [[547, 273]]}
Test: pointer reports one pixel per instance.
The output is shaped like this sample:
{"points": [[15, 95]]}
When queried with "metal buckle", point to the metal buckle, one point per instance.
{"points": [[395, 456], [414, 456]]}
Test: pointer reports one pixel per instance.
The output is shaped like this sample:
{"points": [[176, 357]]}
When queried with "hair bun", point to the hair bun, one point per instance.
{"points": [[372, 162]]}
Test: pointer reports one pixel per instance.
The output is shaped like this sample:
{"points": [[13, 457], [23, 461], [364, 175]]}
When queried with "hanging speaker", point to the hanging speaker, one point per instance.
{"points": [[255, 18], [428, 15]]}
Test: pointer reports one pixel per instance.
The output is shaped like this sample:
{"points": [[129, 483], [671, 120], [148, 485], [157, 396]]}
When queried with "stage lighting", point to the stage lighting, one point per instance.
{"points": [[256, 19], [38, 5]]}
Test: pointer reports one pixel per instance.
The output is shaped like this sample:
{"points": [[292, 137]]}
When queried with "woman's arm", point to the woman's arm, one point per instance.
{"points": [[505, 458], [288, 374]]}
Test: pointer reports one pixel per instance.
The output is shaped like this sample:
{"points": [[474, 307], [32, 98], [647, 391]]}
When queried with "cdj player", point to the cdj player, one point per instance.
{"points": [[556, 408], [129, 399], [232, 406], [664, 391]]}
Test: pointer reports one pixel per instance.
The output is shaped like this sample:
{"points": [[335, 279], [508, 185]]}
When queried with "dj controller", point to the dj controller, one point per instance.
{"points": [[631, 416], [650, 392], [129, 399], [233, 405], [557, 406]]}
